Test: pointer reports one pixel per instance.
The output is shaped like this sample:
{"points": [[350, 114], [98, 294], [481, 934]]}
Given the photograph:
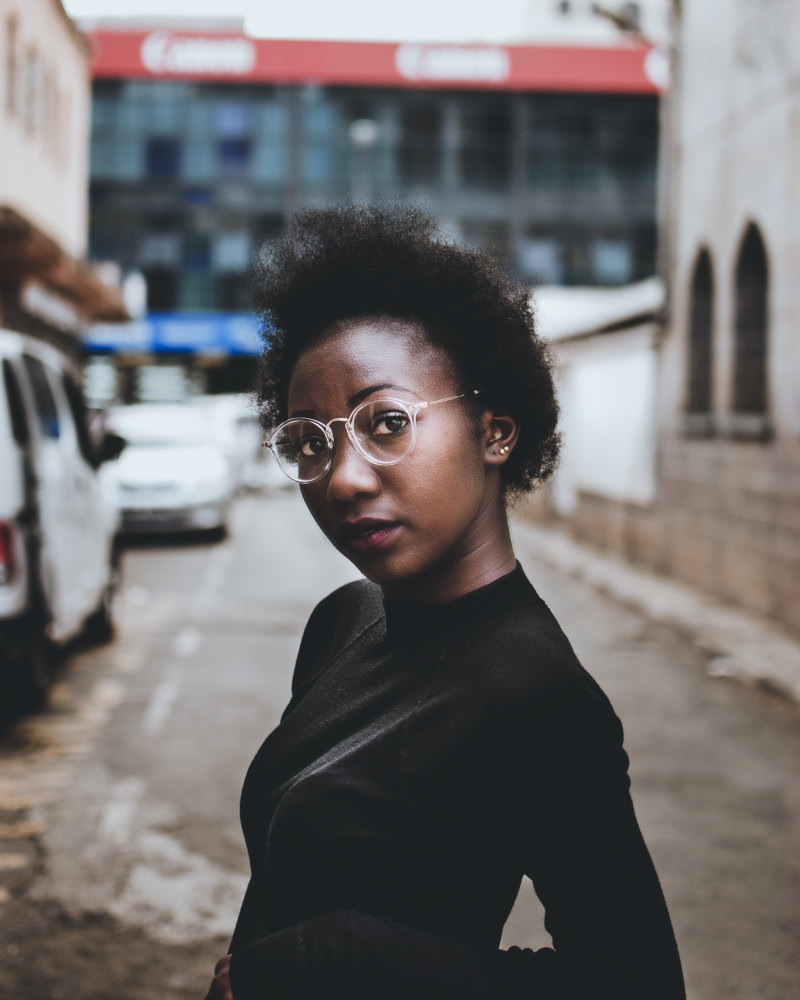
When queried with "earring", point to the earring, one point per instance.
{"points": [[504, 449]]}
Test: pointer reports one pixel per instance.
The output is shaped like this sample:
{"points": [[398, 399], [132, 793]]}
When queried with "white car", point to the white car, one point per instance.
{"points": [[235, 430], [58, 553], [170, 475]]}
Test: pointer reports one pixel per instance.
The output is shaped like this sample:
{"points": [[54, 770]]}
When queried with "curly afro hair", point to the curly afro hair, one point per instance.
{"points": [[351, 262]]}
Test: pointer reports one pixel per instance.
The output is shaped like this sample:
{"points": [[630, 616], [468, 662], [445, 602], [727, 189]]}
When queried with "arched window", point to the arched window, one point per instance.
{"points": [[701, 323], [750, 352]]}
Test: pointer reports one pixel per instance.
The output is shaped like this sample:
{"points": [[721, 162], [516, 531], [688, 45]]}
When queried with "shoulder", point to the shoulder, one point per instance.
{"points": [[347, 608], [335, 622], [521, 666]]}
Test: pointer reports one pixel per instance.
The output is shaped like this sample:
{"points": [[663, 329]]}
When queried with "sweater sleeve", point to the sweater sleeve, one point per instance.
{"points": [[583, 850], [347, 955]]}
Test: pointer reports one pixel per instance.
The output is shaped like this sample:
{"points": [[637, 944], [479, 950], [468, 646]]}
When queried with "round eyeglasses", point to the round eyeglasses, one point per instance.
{"points": [[383, 431]]}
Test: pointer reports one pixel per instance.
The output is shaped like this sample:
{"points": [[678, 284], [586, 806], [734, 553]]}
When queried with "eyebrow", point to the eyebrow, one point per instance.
{"points": [[357, 397]]}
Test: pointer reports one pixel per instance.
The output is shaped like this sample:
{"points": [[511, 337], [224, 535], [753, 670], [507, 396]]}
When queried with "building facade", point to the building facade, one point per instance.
{"points": [[204, 141], [45, 286], [724, 510]]}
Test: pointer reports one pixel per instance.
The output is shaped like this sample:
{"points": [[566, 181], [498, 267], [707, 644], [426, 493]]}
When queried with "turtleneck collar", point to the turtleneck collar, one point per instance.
{"points": [[409, 620]]}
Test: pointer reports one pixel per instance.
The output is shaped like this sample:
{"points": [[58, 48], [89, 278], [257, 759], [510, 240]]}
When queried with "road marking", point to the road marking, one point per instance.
{"points": [[116, 823], [8, 862], [187, 641], [164, 697]]}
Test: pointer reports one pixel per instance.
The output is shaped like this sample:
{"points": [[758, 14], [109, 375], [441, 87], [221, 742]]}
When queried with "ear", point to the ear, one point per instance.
{"points": [[501, 432]]}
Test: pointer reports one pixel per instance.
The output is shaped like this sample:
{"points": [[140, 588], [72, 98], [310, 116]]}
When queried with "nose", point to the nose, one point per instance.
{"points": [[350, 474]]}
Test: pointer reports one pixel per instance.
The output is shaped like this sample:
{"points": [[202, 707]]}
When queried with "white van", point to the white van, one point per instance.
{"points": [[58, 557]]}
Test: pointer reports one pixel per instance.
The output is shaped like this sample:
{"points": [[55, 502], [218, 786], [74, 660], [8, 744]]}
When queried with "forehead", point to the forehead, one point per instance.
{"points": [[356, 354]]}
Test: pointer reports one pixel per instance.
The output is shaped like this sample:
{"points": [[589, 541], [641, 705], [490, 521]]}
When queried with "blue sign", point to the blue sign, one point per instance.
{"points": [[178, 333]]}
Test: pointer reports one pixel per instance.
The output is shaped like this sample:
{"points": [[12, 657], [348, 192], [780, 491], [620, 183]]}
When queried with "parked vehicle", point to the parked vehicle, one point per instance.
{"points": [[170, 476], [58, 556], [236, 430]]}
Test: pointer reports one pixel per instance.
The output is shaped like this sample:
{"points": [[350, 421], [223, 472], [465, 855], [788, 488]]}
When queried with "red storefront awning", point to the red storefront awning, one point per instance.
{"points": [[164, 54]]}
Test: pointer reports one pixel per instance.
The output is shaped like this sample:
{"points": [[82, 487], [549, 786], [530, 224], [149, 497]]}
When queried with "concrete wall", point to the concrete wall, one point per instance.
{"points": [[731, 508], [44, 120]]}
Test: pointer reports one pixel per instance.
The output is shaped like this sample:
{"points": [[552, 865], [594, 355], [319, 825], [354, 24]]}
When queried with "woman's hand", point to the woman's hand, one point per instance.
{"points": [[220, 988]]}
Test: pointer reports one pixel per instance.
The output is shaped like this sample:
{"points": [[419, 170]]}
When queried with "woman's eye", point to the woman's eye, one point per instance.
{"points": [[312, 446], [393, 422]]}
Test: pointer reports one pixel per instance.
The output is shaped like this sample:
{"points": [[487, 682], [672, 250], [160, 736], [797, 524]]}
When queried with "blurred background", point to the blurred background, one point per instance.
{"points": [[634, 163]]}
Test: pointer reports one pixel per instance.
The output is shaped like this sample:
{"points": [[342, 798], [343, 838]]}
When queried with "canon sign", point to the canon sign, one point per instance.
{"points": [[456, 63], [164, 53]]}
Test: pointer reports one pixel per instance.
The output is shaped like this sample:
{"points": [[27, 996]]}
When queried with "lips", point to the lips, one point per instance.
{"points": [[369, 534]]}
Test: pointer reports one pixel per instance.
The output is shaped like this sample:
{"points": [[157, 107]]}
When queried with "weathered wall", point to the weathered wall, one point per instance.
{"points": [[726, 512], [44, 120]]}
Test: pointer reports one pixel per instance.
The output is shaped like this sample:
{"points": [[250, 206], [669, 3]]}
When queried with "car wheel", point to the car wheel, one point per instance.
{"points": [[32, 661], [100, 626]]}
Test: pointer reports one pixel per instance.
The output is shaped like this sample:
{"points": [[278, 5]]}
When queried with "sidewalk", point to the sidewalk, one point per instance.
{"points": [[738, 643]]}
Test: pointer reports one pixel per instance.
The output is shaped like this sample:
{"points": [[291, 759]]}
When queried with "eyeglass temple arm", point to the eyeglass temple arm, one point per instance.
{"points": [[446, 399]]}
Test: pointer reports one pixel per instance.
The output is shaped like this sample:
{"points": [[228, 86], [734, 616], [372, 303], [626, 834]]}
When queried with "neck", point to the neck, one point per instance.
{"points": [[484, 558]]}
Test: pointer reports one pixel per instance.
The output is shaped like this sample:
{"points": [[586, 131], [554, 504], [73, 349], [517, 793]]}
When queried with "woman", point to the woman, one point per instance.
{"points": [[442, 740]]}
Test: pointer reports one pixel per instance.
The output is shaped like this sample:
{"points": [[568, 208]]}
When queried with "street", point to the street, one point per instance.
{"points": [[121, 859]]}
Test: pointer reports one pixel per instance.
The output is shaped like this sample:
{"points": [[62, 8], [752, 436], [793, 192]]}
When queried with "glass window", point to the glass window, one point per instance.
{"points": [[163, 157], [230, 251], [270, 118], [198, 163], [43, 401], [269, 160], [128, 161], [162, 288], [160, 249], [197, 292], [199, 118], [541, 260], [486, 137], [231, 293], [611, 261], [16, 408], [233, 119], [701, 316], [80, 419], [164, 117], [197, 251], [420, 147], [750, 364], [317, 163], [234, 157]]}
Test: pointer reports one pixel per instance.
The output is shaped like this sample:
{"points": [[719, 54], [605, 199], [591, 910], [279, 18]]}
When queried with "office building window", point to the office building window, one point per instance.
{"points": [[701, 324], [163, 157], [234, 157], [750, 352], [162, 289]]}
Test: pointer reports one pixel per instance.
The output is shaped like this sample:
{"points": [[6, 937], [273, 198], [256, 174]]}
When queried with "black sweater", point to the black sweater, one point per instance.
{"points": [[429, 757]]}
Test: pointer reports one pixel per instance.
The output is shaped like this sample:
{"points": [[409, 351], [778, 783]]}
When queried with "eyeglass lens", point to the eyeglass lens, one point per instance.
{"points": [[383, 430]]}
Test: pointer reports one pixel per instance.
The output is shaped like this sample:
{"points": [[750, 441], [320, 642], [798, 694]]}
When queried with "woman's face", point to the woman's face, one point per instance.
{"points": [[421, 528]]}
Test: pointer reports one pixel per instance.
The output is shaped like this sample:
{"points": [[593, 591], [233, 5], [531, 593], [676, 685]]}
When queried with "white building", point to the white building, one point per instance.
{"points": [[715, 499], [44, 136]]}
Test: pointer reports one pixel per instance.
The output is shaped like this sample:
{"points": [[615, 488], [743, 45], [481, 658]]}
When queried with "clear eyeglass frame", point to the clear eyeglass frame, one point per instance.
{"points": [[410, 409]]}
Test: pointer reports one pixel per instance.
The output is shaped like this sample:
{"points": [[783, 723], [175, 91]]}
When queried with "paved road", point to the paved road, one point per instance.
{"points": [[121, 862]]}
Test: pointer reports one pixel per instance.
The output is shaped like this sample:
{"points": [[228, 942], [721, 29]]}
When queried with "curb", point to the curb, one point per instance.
{"points": [[738, 643]]}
